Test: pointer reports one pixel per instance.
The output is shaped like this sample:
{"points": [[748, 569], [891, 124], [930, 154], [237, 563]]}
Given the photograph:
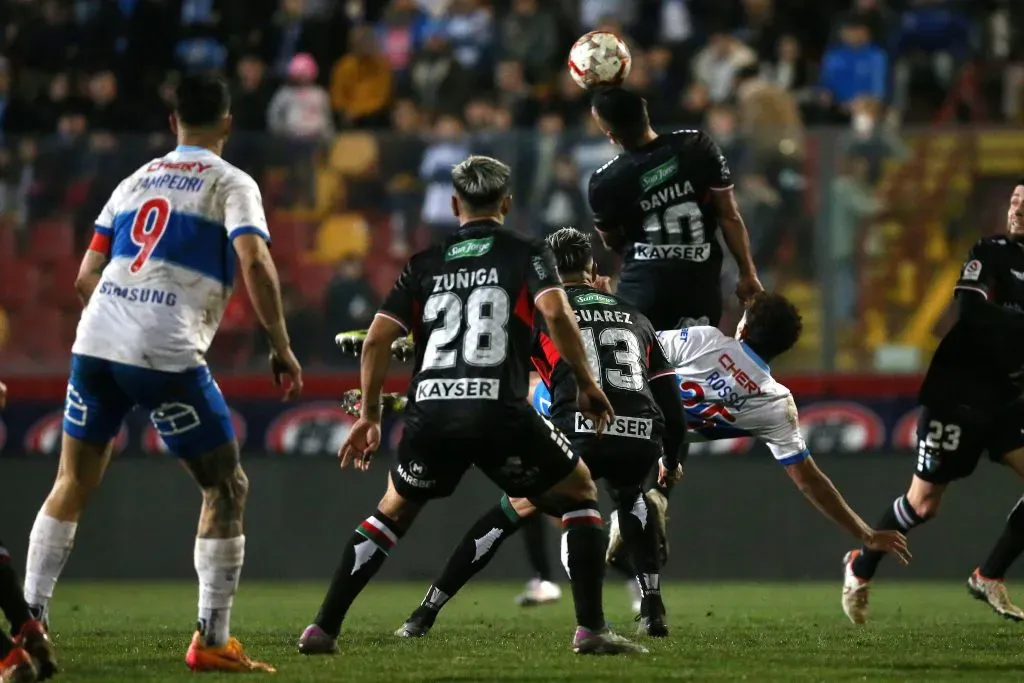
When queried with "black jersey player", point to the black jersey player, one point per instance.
{"points": [[660, 204], [971, 402], [648, 431], [470, 304]]}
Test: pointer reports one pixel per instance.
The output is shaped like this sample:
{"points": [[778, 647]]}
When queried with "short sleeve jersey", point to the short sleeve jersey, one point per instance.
{"points": [[624, 355], [660, 196], [469, 304], [168, 231], [724, 382]]}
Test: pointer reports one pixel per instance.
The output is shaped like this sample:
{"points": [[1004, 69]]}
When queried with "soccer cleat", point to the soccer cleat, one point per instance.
{"points": [[17, 667], [37, 643], [226, 658], [315, 641], [604, 642], [993, 591], [652, 617], [635, 596], [419, 624], [659, 509], [539, 592], [855, 591]]}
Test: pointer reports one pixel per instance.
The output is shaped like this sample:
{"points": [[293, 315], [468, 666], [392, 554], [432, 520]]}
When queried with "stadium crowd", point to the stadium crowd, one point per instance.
{"points": [[350, 114]]}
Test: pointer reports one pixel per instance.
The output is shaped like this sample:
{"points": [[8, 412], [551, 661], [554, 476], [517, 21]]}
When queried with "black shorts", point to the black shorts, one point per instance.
{"points": [[950, 442], [667, 295], [525, 455], [623, 462]]}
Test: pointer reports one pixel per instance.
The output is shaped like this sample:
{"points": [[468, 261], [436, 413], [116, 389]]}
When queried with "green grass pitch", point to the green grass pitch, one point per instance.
{"points": [[114, 632]]}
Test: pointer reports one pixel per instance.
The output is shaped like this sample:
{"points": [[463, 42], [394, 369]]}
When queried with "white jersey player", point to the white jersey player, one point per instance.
{"points": [[155, 282]]}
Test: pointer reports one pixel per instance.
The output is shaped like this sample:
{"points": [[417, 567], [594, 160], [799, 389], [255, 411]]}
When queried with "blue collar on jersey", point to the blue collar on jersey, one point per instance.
{"points": [[756, 358], [190, 148]]}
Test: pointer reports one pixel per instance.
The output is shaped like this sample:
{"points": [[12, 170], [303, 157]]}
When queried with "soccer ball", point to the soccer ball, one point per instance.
{"points": [[599, 58]]}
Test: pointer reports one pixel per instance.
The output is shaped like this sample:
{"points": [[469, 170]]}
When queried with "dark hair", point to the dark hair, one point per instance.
{"points": [[624, 112], [571, 248], [747, 72], [201, 101], [481, 182], [773, 324]]}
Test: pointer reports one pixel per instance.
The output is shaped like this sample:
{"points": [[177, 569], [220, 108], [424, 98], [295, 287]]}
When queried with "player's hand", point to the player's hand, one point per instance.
{"points": [[747, 287], [889, 542], [602, 283], [363, 440], [667, 477], [3, 394], [285, 364], [595, 406], [351, 343]]}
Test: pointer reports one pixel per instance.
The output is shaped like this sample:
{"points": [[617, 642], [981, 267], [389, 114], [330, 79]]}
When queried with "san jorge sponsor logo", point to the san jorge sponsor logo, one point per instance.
{"points": [[44, 436], [311, 429], [841, 427], [469, 248], [153, 444], [594, 299]]}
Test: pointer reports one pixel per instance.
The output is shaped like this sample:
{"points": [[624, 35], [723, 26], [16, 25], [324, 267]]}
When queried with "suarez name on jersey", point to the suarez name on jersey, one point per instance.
{"points": [[624, 356], [469, 304], [167, 230], [658, 195]]}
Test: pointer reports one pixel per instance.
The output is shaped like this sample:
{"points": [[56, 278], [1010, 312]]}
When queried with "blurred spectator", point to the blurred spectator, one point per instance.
{"points": [[695, 102], [468, 28], [852, 202], [252, 92], [593, 13], [291, 33], [47, 41], [14, 117], [349, 304], [854, 67], [769, 117], [530, 37], [515, 94], [447, 149], [439, 83], [361, 82], [716, 65], [876, 16], [401, 151], [871, 139], [55, 103], [106, 110], [787, 68], [674, 22], [301, 109], [563, 203], [591, 151], [400, 33], [570, 101], [760, 30]]}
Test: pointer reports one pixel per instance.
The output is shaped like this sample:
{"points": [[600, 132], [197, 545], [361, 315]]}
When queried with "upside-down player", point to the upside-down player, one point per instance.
{"points": [[155, 282], [971, 402], [29, 655], [470, 305]]}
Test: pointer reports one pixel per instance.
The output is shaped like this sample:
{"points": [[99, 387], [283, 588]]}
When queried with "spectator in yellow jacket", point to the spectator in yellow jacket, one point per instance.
{"points": [[361, 82]]}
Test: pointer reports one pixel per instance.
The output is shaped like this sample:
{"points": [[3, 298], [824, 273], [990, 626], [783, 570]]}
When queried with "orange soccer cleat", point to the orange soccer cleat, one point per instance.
{"points": [[37, 643], [17, 667], [228, 657]]}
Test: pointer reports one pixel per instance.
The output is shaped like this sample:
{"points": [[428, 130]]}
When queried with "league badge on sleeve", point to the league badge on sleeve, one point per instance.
{"points": [[972, 270]]}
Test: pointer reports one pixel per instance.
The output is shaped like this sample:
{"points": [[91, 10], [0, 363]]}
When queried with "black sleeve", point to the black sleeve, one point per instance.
{"points": [[663, 383], [998, 331], [400, 303], [542, 274], [603, 205], [978, 273], [714, 167]]}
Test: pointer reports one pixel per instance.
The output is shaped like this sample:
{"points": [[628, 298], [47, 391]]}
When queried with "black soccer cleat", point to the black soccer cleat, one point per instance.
{"points": [[419, 624], [651, 619]]}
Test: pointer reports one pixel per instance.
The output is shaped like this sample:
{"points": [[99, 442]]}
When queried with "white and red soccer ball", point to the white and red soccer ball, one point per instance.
{"points": [[598, 59]]}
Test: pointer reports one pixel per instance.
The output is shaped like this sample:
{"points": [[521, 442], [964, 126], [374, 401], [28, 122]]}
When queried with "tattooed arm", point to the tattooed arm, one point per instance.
{"points": [[89, 273]]}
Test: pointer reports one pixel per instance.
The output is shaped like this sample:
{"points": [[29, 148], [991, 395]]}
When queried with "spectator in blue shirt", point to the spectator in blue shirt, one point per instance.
{"points": [[855, 67]]}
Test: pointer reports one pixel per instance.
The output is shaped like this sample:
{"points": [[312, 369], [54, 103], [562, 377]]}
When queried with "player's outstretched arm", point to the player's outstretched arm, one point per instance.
{"points": [[823, 494], [264, 288], [738, 240], [89, 273]]}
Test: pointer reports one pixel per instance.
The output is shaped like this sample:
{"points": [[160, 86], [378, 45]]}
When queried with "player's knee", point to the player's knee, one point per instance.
{"points": [[398, 509], [229, 494], [926, 508], [579, 486]]}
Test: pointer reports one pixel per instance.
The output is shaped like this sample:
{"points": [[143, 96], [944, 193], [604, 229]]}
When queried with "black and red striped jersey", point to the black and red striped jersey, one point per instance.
{"points": [[623, 351], [470, 305]]}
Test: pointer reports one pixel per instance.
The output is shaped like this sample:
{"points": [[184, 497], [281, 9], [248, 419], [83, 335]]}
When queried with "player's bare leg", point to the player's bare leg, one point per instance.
{"points": [[363, 556], [986, 582], [641, 541], [219, 554], [917, 506]]}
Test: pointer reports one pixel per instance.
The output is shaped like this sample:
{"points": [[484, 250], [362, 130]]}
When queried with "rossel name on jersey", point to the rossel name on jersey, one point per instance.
{"points": [[475, 388], [682, 252], [465, 279], [469, 248], [590, 316], [631, 427]]}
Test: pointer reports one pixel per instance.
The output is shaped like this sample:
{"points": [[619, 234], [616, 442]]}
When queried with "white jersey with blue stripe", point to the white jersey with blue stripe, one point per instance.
{"points": [[169, 228], [725, 383]]}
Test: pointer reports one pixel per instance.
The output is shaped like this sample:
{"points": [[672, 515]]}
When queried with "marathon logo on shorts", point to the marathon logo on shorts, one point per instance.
{"points": [[671, 252], [630, 427], [466, 388], [469, 248]]}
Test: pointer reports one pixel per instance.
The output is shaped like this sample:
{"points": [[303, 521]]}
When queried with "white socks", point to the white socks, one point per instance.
{"points": [[49, 546], [218, 565]]}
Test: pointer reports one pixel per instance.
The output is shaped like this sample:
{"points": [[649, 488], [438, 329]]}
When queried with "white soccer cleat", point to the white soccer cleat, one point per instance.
{"points": [[539, 592], [855, 591], [993, 591]]}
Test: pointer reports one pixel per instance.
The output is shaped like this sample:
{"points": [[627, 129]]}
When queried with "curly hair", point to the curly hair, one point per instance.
{"points": [[572, 249], [773, 324]]}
